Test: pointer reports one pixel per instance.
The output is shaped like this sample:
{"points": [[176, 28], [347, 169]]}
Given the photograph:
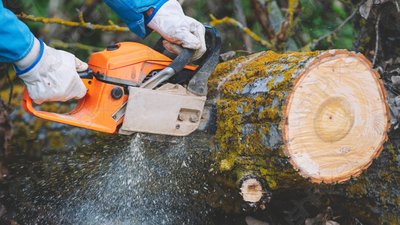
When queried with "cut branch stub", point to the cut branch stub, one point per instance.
{"points": [[336, 117], [251, 190]]}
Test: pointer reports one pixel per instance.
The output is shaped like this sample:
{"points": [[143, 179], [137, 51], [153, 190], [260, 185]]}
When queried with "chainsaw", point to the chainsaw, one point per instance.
{"points": [[134, 88]]}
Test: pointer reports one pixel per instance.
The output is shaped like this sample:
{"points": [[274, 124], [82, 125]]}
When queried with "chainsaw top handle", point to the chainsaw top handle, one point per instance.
{"points": [[175, 67], [182, 60], [207, 64]]}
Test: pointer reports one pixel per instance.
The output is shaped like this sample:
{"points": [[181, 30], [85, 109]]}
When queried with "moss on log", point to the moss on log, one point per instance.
{"points": [[248, 115]]}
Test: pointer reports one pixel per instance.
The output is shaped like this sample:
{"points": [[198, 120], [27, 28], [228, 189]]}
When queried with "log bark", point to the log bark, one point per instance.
{"points": [[290, 120]]}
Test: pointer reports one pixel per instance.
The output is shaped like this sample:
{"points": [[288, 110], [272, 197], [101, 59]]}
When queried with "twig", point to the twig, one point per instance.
{"points": [[292, 5], [64, 45], [376, 40], [338, 28], [227, 20], [80, 16], [262, 15], [288, 24], [81, 23]]}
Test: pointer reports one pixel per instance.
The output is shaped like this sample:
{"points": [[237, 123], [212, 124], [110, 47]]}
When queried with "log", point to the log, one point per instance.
{"points": [[290, 120]]}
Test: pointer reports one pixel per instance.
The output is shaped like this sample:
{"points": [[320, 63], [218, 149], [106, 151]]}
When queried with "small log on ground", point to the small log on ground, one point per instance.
{"points": [[298, 118]]}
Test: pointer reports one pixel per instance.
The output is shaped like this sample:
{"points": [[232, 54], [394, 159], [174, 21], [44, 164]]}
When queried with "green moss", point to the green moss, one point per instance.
{"points": [[221, 70], [251, 99], [358, 188], [227, 164], [271, 182]]}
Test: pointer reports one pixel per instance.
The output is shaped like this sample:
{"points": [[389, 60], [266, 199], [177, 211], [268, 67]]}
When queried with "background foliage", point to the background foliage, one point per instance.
{"points": [[311, 20]]}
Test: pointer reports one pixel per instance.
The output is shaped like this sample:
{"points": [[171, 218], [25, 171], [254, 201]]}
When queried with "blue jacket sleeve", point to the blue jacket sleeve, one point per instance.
{"points": [[132, 12], [16, 40]]}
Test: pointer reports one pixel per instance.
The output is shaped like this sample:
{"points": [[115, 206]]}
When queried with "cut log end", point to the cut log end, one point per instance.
{"points": [[336, 117], [251, 190]]}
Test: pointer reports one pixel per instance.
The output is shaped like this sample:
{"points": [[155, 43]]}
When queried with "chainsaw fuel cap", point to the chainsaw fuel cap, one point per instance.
{"points": [[116, 93]]}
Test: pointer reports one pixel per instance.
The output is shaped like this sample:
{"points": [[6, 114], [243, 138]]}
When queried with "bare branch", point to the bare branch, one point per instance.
{"points": [[376, 39], [64, 45], [262, 16], [292, 6], [81, 19], [227, 20], [81, 23]]}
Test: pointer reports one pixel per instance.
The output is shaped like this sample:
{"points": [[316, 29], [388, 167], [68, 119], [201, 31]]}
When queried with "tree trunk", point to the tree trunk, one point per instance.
{"points": [[290, 120]]}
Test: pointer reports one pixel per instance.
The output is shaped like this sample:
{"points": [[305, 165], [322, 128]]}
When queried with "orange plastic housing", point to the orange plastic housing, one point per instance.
{"points": [[128, 61]]}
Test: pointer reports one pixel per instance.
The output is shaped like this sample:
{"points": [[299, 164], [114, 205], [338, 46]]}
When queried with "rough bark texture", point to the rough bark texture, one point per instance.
{"points": [[249, 97]]}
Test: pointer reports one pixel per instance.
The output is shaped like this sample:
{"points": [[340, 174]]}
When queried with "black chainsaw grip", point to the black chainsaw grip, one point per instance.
{"points": [[182, 60], [86, 74]]}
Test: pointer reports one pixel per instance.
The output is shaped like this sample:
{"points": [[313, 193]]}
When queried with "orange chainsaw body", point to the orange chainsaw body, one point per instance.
{"points": [[128, 61]]}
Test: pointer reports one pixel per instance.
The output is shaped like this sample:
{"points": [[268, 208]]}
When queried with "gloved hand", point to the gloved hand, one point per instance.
{"points": [[177, 29], [51, 74]]}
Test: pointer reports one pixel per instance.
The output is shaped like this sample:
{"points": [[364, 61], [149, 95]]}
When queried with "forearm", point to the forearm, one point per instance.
{"points": [[16, 40]]}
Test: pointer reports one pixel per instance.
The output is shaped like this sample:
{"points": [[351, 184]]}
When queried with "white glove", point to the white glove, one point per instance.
{"points": [[172, 24], [53, 76]]}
